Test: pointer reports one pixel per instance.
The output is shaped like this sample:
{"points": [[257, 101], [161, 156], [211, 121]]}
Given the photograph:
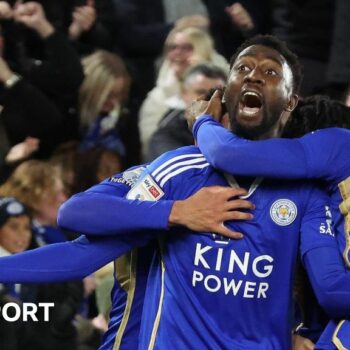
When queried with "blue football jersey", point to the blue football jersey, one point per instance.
{"points": [[209, 292], [323, 154]]}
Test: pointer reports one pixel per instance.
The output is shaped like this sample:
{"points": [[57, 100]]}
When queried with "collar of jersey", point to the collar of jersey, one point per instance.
{"points": [[233, 183]]}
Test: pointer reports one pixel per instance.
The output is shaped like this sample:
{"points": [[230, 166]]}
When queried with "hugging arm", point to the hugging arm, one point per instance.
{"points": [[104, 210], [280, 158], [65, 261]]}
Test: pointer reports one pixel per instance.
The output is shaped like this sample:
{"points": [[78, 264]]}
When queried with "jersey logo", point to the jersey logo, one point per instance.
{"points": [[131, 176], [326, 227], [146, 189], [283, 212]]}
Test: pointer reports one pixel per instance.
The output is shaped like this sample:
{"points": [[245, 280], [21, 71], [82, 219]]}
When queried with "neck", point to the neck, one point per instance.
{"points": [[275, 132]]}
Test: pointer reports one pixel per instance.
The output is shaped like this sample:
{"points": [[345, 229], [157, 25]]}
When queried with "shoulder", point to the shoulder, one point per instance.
{"points": [[330, 134], [327, 151], [128, 177], [175, 162], [313, 195], [121, 181], [174, 167]]}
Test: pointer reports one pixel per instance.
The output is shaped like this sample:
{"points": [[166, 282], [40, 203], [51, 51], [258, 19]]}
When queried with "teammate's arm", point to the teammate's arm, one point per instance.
{"points": [[330, 280], [66, 261], [327, 273], [104, 210], [285, 158]]}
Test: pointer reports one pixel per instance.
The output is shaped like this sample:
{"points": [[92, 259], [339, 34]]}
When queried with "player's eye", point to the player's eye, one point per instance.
{"points": [[243, 68], [271, 71]]}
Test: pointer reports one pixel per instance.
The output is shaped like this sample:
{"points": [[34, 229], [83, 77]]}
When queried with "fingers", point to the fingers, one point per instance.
{"points": [[214, 107], [224, 231], [229, 192], [217, 95], [237, 215], [239, 204]]}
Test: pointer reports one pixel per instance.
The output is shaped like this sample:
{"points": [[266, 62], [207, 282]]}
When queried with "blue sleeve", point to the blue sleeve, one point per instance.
{"points": [[285, 158], [66, 261], [329, 278], [104, 210]]}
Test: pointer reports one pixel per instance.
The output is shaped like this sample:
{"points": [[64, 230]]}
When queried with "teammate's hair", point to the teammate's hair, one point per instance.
{"points": [[317, 112], [281, 47]]}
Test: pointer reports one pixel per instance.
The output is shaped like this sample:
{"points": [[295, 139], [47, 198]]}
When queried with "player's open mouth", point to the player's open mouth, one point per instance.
{"points": [[250, 103]]}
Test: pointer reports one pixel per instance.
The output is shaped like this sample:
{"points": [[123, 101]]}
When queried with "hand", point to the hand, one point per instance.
{"points": [[5, 71], [240, 16], [32, 15], [100, 323], [301, 343], [200, 106], [197, 21], [84, 18], [209, 208], [22, 150], [6, 11]]}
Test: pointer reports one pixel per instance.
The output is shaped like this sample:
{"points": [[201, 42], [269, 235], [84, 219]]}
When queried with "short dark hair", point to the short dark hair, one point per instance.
{"points": [[282, 48], [317, 112], [208, 70]]}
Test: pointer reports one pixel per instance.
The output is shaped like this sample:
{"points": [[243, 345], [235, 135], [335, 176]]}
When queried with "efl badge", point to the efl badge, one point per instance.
{"points": [[146, 190], [283, 212]]}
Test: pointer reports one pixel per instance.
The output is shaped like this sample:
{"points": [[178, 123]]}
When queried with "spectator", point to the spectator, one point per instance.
{"points": [[18, 153], [15, 237], [142, 28], [26, 112], [104, 119], [231, 22], [92, 25], [173, 130], [63, 159], [38, 185], [183, 48], [89, 24], [93, 166], [58, 74], [318, 31]]}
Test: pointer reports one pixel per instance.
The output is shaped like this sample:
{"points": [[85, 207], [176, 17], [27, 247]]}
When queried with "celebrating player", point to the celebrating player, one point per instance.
{"points": [[218, 293]]}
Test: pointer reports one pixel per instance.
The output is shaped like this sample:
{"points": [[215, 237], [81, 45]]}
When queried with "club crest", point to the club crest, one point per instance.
{"points": [[283, 212]]}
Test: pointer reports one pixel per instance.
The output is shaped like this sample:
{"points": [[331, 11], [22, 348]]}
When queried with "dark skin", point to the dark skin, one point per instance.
{"points": [[259, 96]]}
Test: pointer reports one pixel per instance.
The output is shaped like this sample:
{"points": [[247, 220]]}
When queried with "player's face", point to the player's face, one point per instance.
{"points": [[15, 234], [259, 92]]}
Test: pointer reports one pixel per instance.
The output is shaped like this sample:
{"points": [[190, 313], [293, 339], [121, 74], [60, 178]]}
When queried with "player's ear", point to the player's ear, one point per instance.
{"points": [[292, 103]]}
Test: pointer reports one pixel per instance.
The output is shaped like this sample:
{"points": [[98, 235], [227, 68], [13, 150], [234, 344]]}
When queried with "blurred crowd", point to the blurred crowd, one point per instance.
{"points": [[89, 88]]}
